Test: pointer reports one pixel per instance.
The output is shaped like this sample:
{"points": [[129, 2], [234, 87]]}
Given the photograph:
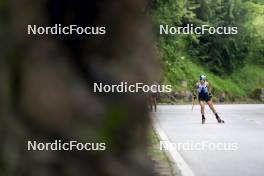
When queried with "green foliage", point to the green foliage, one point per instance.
{"points": [[221, 53], [253, 37], [249, 78], [225, 59]]}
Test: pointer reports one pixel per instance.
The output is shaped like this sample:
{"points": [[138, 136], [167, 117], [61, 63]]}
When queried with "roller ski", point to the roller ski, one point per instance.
{"points": [[203, 119], [219, 120]]}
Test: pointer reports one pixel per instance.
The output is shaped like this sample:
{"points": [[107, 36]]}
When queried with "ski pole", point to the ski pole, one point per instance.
{"points": [[192, 103]]}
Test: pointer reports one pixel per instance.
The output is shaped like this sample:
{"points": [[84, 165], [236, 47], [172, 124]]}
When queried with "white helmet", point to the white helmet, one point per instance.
{"points": [[202, 77]]}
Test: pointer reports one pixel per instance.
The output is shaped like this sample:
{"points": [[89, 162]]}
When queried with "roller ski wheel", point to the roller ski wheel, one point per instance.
{"points": [[203, 120], [220, 120]]}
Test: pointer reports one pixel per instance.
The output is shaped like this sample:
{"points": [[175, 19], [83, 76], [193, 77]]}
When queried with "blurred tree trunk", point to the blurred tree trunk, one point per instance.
{"points": [[46, 87]]}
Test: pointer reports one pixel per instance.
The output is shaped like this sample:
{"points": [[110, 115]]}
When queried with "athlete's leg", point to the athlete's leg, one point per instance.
{"points": [[202, 107], [210, 104], [202, 111]]}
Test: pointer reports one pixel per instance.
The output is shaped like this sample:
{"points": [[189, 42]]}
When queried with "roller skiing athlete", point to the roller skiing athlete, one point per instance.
{"points": [[204, 95]]}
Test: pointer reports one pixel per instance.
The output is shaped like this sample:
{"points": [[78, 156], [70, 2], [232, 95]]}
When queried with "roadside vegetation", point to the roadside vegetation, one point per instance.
{"points": [[162, 164], [233, 64]]}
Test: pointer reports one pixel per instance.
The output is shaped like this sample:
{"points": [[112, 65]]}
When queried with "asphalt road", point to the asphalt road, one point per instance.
{"points": [[242, 135]]}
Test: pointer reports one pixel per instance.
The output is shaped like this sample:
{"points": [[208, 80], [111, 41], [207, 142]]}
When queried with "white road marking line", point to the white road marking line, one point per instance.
{"points": [[173, 153]]}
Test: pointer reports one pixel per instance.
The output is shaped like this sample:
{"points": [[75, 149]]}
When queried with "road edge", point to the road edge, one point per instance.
{"points": [[173, 154]]}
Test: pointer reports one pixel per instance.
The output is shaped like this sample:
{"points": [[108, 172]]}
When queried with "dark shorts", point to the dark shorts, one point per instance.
{"points": [[204, 97]]}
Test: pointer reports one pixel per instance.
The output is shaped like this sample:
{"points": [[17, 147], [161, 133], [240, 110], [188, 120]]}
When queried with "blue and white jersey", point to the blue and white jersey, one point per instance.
{"points": [[202, 88]]}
